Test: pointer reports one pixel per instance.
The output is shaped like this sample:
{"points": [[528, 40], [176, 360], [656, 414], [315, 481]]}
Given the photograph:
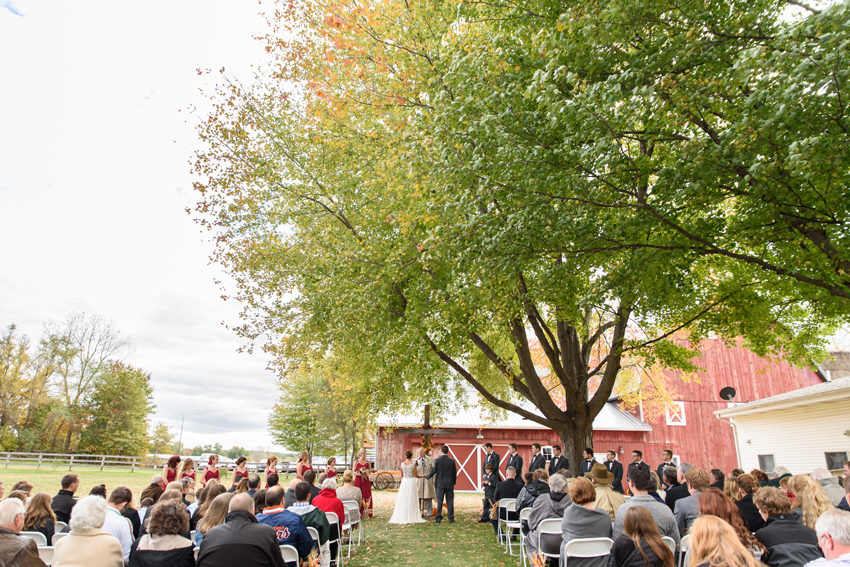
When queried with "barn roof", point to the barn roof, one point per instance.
{"points": [[611, 418], [828, 391]]}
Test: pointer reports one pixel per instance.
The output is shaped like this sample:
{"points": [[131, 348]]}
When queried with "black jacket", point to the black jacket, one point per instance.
{"points": [[445, 471], [515, 461], [490, 489], [633, 465], [48, 528], [133, 515], [507, 489], [529, 493], [586, 466], [183, 557], [660, 470], [843, 504], [624, 553], [676, 493], [615, 467], [493, 459], [750, 513], [537, 462], [789, 543], [558, 463], [240, 540], [62, 504]]}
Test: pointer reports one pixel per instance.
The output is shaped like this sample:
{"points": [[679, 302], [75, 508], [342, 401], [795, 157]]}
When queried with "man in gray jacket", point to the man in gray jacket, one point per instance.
{"points": [[830, 485], [639, 482], [687, 509]]}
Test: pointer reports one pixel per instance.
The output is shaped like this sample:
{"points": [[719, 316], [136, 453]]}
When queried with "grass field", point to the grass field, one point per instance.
{"points": [[464, 543]]}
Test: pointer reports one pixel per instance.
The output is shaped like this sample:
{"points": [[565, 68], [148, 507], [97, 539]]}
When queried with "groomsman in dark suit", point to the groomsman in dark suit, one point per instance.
{"points": [[492, 458], [615, 467], [538, 461], [588, 461], [558, 461], [515, 461], [667, 461]]}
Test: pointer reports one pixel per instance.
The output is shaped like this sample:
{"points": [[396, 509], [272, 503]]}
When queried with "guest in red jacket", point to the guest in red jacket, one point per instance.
{"points": [[327, 501]]}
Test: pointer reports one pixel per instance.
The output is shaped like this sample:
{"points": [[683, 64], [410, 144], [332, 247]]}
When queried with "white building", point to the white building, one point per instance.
{"points": [[802, 430]]}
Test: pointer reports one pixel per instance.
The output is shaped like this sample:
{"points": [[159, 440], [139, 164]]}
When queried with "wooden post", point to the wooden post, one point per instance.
{"points": [[7, 459], [133, 469], [39, 462], [71, 465], [102, 459]]}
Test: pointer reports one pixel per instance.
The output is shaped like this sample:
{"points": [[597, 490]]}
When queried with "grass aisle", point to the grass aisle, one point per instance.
{"points": [[465, 543]]}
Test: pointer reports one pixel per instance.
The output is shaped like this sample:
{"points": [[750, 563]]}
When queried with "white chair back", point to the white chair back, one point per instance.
{"points": [[197, 550], [510, 506], [314, 533], [46, 554], [59, 526], [58, 536], [332, 517], [549, 526], [684, 547], [352, 510], [524, 513], [290, 555], [671, 543], [589, 547], [38, 537]]}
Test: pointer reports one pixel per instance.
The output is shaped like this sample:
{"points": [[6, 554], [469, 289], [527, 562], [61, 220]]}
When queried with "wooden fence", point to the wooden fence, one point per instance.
{"points": [[62, 461]]}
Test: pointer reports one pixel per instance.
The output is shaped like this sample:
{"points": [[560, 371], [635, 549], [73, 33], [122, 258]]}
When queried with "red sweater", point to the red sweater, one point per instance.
{"points": [[327, 501]]}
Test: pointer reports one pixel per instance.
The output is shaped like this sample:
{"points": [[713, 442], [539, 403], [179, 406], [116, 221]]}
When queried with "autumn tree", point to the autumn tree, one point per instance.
{"points": [[431, 189], [161, 439]]}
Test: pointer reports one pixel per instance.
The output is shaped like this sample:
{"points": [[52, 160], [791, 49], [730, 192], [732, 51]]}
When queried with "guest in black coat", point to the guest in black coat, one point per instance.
{"points": [[64, 501], [537, 485], [676, 493], [615, 467], [717, 479], [515, 461], [509, 488], [558, 461], [787, 542], [747, 509]]}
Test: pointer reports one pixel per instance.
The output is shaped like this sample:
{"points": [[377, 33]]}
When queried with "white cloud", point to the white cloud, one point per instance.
{"points": [[94, 171]]}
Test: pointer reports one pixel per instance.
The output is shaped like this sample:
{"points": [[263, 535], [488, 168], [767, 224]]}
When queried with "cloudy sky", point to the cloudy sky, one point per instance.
{"points": [[95, 150]]}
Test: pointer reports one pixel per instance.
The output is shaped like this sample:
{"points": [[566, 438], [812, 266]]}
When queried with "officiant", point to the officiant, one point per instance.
{"points": [[425, 486]]}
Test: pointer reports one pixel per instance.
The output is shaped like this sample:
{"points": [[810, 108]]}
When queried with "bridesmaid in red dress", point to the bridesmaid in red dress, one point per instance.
{"points": [[211, 472], [271, 468], [330, 470], [188, 469], [169, 471], [241, 468], [303, 465], [362, 470]]}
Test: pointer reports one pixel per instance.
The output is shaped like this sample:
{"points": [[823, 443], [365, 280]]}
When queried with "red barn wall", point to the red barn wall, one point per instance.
{"points": [[705, 441]]}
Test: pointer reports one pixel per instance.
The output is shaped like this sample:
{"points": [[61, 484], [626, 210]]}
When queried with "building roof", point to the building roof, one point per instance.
{"points": [[611, 418], [828, 391]]}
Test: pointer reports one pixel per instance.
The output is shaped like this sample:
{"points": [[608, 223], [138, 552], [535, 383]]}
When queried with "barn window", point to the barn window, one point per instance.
{"points": [[767, 462], [547, 453], [835, 461], [676, 414]]}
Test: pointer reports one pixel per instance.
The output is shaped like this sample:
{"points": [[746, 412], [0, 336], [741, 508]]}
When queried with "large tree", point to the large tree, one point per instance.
{"points": [[432, 190]]}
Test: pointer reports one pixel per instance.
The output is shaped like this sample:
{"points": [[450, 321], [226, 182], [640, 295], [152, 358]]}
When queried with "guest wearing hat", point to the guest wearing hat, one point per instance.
{"points": [[606, 499]]}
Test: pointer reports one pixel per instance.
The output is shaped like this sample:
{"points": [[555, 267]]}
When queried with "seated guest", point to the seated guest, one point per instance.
{"points": [[714, 543], [116, 524], [321, 478], [154, 490], [833, 529], [327, 499], [260, 499], [508, 488], [163, 545], [237, 479], [787, 542], [761, 476], [830, 485], [24, 486], [185, 489], [88, 545], [144, 505], [289, 497], [785, 484], [845, 502], [253, 485], [214, 515], [715, 503], [310, 478], [539, 484], [778, 474], [272, 480], [583, 520], [687, 509], [549, 505], [679, 489], [313, 518], [731, 488], [736, 473], [132, 514], [211, 492], [240, 540], [810, 499], [19, 494], [240, 487], [289, 528], [40, 518], [641, 544], [16, 550], [64, 500], [639, 484], [606, 499], [716, 479], [98, 490], [655, 487], [348, 491], [747, 486]]}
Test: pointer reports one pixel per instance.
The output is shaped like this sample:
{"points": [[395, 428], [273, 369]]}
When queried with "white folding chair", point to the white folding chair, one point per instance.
{"points": [[59, 526], [503, 511], [684, 547], [549, 526], [353, 509], [38, 537], [511, 525], [58, 536], [333, 520], [523, 515], [671, 543], [588, 547], [290, 555], [46, 554], [192, 535], [197, 550]]}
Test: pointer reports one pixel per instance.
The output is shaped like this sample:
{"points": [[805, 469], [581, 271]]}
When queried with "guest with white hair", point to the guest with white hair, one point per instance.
{"points": [[830, 485], [328, 501], [16, 550], [549, 505], [87, 544], [833, 528]]}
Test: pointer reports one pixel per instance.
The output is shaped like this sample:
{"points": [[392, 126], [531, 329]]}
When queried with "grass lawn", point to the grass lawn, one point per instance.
{"points": [[461, 544]]}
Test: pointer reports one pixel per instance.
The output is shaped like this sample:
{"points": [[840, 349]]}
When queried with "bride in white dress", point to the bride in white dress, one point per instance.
{"points": [[407, 502]]}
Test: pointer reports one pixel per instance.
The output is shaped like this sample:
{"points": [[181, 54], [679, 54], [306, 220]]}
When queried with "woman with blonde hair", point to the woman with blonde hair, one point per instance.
{"points": [[731, 490], [748, 485], [271, 468], [188, 469], [214, 515], [348, 491], [714, 503], [641, 542], [212, 492], [242, 486], [810, 499], [303, 465], [40, 517], [714, 543]]}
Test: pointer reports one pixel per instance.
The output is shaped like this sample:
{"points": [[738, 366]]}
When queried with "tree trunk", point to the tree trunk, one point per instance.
{"points": [[575, 438]]}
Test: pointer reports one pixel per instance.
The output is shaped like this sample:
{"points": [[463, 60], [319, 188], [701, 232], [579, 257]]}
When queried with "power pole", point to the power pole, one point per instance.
{"points": [[180, 441]]}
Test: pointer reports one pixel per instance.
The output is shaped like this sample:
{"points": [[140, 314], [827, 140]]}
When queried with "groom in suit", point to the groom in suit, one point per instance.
{"points": [[445, 470]]}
